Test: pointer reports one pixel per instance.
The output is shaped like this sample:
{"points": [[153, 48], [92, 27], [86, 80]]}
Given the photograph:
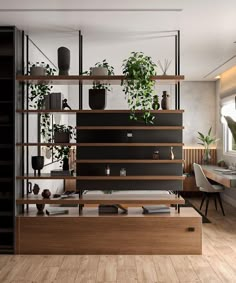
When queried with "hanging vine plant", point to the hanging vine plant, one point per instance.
{"points": [[138, 86]]}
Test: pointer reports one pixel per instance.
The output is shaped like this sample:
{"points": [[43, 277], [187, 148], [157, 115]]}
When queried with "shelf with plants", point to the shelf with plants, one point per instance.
{"points": [[89, 80]]}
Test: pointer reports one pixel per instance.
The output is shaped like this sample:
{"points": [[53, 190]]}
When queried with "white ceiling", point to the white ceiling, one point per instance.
{"points": [[208, 28]]}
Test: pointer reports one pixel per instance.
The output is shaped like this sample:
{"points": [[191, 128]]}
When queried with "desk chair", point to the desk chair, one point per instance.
{"points": [[207, 188]]}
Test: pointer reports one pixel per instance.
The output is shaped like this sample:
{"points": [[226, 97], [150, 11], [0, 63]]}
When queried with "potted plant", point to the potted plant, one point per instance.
{"points": [[97, 95], [138, 86], [39, 92], [206, 141], [62, 154], [63, 133]]}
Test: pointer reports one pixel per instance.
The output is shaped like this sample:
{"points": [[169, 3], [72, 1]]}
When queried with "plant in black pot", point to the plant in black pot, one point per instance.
{"points": [[97, 95], [62, 154], [139, 86], [63, 133], [38, 94]]}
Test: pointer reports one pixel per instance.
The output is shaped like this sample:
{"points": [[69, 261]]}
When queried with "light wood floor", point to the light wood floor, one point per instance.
{"points": [[216, 264]]}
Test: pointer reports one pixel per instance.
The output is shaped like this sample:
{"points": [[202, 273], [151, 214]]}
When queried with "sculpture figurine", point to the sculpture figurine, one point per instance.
{"points": [[65, 104]]}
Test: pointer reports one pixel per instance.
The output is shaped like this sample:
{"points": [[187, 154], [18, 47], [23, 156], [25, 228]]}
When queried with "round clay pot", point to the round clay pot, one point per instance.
{"points": [[98, 71], [46, 193], [37, 71]]}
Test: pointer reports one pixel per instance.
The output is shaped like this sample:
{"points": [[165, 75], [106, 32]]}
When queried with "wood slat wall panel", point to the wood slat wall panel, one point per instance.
{"points": [[192, 155]]}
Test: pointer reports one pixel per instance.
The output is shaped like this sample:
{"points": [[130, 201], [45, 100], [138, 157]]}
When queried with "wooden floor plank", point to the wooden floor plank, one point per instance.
{"points": [[66, 275], [184, 269], [165, 269], [203, 269], [146, 272], [87, 269], [107, 268]]}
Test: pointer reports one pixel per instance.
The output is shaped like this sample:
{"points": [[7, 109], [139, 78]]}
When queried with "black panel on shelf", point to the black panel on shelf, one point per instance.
{"points": [[127, 135]]}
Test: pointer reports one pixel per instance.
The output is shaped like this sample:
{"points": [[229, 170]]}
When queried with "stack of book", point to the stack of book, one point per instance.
{"points": [[56, 211], [60, 172], [161, 208]]}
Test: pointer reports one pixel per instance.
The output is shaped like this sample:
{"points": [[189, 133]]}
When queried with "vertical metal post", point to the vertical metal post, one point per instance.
{"points": [[22, 116], [80, 70], [176, 71], [27, 114]]}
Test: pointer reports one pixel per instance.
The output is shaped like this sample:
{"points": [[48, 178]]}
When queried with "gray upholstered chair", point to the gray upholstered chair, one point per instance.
{"points": [[209, 190]]}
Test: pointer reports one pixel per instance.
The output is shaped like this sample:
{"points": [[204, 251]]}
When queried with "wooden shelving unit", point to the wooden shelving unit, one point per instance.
{"points": [[88, 80]]}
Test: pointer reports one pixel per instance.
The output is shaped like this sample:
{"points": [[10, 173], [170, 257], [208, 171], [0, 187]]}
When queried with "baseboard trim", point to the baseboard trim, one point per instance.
{"points": [[229, 200]]}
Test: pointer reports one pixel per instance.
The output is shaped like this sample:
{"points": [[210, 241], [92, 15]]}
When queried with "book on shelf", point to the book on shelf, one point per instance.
{"points": [[56, 211], [60, 172], [161, 208]]}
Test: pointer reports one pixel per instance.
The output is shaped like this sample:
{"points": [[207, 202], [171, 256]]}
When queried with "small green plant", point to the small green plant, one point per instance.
{"points": [[110, 70], [138, 86], [62, 152], [39, 91], [206, 141]]}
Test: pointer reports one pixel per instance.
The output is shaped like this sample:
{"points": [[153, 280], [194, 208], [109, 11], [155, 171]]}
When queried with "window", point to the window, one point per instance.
{"points": [[228, 109]]}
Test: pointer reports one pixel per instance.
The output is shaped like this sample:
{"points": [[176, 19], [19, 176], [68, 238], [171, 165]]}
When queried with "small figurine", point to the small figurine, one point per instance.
{"points": [[65, 104], [36, 189], [172, 156]]}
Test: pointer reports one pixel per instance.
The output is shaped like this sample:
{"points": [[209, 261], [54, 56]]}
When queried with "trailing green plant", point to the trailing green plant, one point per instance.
{"points": [[110, 70], [60, 152], [206, 141], [138, 85], [45, 127], [39, 91]]}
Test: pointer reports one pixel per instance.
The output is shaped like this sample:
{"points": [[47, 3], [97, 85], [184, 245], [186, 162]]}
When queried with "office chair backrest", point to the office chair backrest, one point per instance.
{"points": [[201, 180]]}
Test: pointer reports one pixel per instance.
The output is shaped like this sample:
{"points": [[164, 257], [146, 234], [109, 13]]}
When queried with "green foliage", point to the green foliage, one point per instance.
{"points": [[110, 69], [61, 152], [207, 140], [138, 87], [45, 127], [39, 91]]}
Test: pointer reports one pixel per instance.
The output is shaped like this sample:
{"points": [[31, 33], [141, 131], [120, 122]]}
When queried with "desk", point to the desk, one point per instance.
{"points": [[228, 181]]}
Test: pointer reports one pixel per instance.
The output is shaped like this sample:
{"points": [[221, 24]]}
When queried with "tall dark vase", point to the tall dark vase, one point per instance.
{"points": [[97, 99], [37, 163], [65, 165], [63, 56]]}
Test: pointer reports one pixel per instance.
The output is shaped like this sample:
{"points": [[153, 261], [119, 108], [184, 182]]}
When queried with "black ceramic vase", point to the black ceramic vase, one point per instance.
{"points": [[65, 165], [97, 99], [37, 163], [63, 56]]}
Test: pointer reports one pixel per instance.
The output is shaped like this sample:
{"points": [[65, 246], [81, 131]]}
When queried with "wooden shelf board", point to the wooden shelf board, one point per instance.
{"points": [[130, 128], [100, 144], [130, 161], [89, 80], [44, 176], [103, 178], [107, 199], [47, 144], [130, 144], [95, 111]]}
